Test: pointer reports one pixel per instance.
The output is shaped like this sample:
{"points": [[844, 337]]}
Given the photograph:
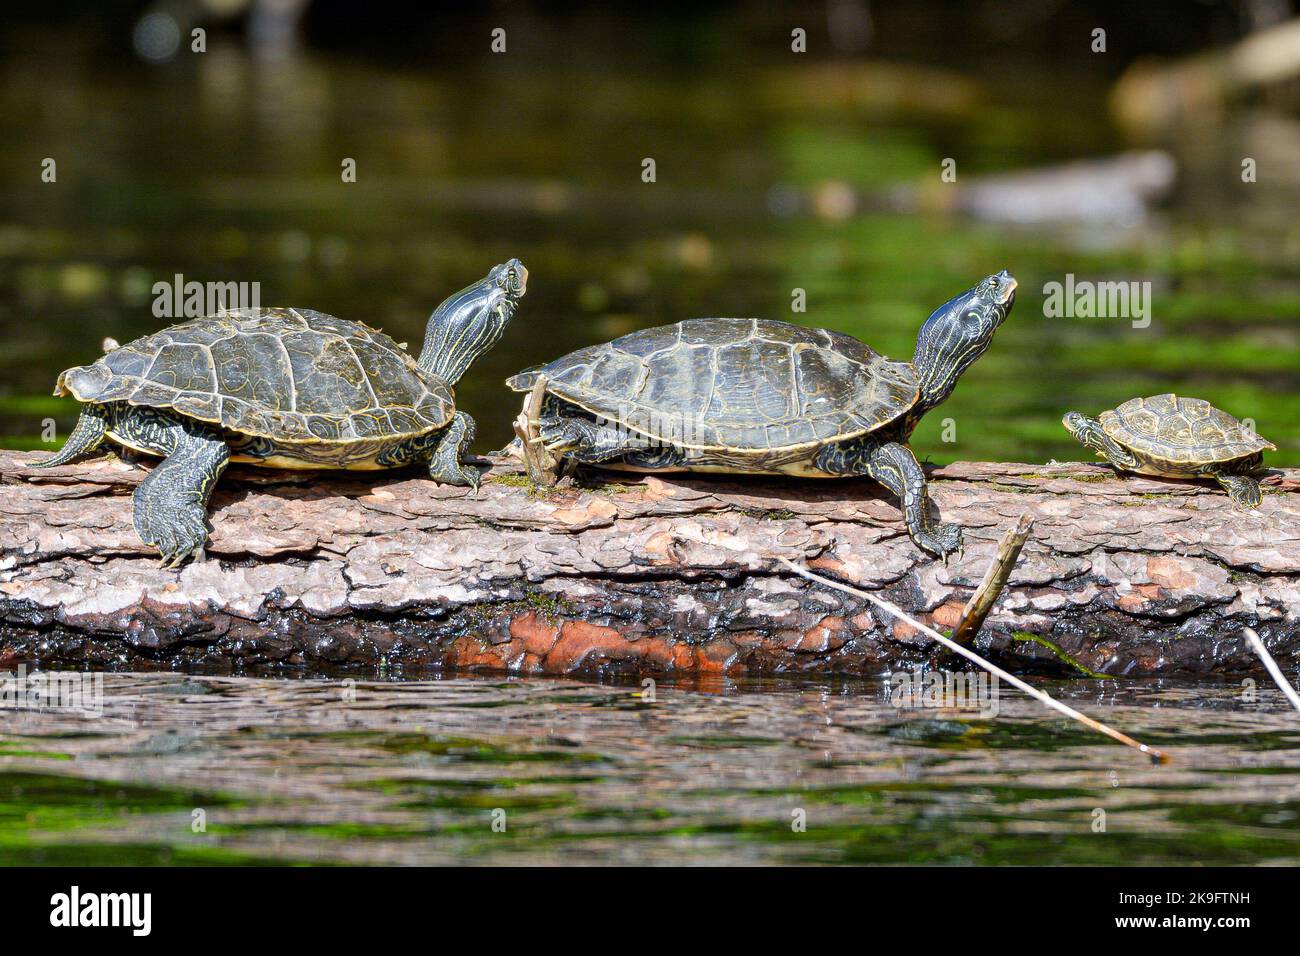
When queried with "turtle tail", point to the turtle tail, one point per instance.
{"points": [[523, 381], [86, 437]]}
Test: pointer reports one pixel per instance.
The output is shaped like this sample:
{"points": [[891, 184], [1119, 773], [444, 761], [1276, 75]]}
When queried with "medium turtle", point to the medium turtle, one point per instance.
{"points": [[764, 397], [283, 388], [1174, 437]]}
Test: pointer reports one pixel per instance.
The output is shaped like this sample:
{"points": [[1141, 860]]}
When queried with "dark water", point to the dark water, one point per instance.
{"points": [[225, 168], [417, 772]]}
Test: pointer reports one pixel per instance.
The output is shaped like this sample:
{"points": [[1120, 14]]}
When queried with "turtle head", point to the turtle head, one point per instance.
{"points": [[1087, 431], [472, 321], [959, 332]]}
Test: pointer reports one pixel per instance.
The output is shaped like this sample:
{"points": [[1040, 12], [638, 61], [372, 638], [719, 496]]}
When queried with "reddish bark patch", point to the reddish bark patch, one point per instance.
{"points": [[864, 621], [537, 634], [718, 657], [1170, 573], [580, 640], [472, 652], [906, 632], [947, 615], [818, 637], [1140, 598], [662, 547]]}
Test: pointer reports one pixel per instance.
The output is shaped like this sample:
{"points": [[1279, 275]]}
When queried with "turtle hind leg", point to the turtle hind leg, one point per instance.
{"points": [[171, 504], [1242, 489], [88, 435], [453, 445], [586, 441], [657, 458]]}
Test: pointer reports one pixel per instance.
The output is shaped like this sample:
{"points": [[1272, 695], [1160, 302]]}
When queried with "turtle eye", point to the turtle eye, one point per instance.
{"points": [[514, 278]]}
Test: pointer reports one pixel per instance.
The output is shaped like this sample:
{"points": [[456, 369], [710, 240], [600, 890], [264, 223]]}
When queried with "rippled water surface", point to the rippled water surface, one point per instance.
{"points": [[334, 771]]}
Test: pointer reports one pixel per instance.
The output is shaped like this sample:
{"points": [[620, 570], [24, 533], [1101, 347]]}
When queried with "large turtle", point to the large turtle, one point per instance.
{"points": [[1173, 437], [765, 397], [283, 388]]}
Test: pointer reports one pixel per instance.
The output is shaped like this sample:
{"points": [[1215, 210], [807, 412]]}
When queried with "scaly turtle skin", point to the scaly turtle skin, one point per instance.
{"points": [[282, 388], [762, 397], [1172, 437]]}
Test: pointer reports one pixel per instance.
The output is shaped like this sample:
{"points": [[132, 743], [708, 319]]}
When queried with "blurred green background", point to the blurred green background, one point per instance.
{"points": [[775, 171]]}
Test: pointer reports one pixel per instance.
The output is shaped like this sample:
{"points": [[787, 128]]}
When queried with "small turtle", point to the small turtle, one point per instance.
{"points": [[282, 388], [1174, 437], [764, 397]]}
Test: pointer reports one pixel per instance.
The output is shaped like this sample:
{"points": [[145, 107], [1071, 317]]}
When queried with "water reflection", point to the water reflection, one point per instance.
{"points": [[414, 771]]}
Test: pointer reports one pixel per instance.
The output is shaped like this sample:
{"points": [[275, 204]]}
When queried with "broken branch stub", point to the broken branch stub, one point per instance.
{"points": [[542, 467], [995, 579]]}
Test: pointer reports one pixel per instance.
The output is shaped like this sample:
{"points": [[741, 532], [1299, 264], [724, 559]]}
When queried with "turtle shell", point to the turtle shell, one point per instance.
{"points": [[284, 374], [734, 384], [1181, 430]]}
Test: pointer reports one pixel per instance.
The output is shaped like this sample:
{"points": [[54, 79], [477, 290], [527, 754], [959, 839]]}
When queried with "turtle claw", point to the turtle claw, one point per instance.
{"points": [[466, 476], [178, 532], [943, 541], [179, 558], [558, 438], [447, 465], [514, 449]]}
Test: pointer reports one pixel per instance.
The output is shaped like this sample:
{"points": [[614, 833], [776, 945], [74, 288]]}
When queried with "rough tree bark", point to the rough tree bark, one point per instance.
{"points": [[1125, 576]]}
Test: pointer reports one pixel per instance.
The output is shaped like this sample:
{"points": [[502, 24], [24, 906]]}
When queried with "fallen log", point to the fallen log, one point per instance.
{"points": [[1128, 576]]}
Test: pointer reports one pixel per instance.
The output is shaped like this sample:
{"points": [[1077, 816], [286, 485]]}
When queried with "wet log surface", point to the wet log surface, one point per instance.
{"points": [[1127, 576]]}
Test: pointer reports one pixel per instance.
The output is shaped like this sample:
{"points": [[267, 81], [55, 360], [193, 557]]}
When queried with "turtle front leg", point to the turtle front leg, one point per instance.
{"points": [[171, 504], [894, 466], [1088, 431], [1242, 489], [453, 445], [1116, 454]]}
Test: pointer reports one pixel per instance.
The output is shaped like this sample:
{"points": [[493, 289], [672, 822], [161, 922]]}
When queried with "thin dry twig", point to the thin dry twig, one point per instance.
{"points": [[995, 579], [1270, 665], [1156, 755]]}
